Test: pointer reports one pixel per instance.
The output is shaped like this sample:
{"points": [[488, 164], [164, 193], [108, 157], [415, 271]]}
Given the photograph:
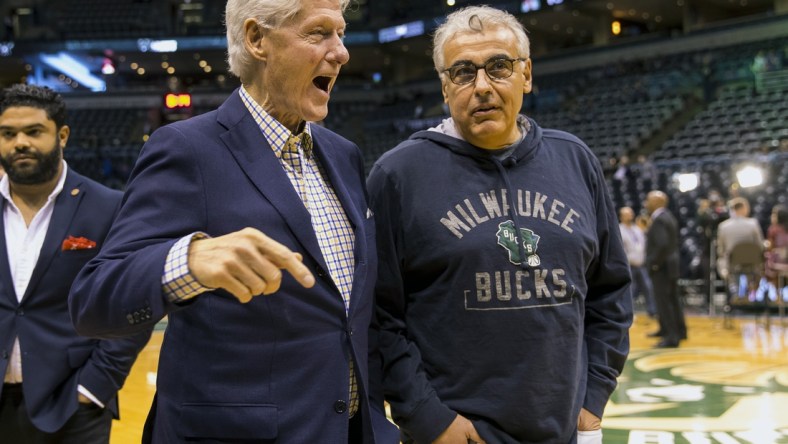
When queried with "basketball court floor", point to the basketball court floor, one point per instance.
{"points": [[722, 386]]}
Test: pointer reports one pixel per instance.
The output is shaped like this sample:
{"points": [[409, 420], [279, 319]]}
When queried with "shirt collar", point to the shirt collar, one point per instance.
{"points": [[5, 186], [448, 127], [276, 134]]}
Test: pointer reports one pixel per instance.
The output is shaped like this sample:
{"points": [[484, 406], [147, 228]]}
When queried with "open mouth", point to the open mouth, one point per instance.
{"points": [[322, 82]]}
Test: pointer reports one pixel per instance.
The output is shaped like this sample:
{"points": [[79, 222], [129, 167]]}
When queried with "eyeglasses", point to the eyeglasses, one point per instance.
{"points": [[465, 72]]}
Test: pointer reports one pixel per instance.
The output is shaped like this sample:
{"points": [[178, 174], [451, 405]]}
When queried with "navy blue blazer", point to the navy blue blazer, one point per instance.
{"points": [[55, 358], [272, 370], [662, 246]]}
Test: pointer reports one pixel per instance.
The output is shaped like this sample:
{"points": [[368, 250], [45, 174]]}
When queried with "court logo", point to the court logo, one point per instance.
{"points": [[700, 396], [508, 239]]}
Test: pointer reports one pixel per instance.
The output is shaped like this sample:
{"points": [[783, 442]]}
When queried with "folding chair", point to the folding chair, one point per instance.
{"points": [[744, 259]]}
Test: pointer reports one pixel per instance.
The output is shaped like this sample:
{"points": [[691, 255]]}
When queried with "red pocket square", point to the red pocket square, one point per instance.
{"points": [[78, 243]]}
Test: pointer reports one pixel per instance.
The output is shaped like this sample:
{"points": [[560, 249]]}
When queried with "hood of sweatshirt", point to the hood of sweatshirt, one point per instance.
{"points": [[447, 136], [503, 160]]}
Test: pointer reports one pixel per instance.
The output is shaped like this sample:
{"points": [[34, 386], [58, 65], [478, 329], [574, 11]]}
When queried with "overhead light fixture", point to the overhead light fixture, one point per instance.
{"points": [[749, 176], [145, 45], [107, 67], [74, 69], [6, 48], [686, 181]]}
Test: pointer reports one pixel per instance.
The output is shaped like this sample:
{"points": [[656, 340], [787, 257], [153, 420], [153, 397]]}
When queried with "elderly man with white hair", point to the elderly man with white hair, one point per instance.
{"points": [[248, 227]]}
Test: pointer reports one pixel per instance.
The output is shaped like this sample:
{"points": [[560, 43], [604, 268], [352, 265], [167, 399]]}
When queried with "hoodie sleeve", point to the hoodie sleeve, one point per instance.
{"points": [[608, 313], [414, 403]]}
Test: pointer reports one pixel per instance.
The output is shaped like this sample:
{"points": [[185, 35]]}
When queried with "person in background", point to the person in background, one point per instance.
{"points": [[248, 227], [642, 221], [503, 291], [634, 239], [646, 170], [662, 262], [624, 170], [739, 229], [777, 250], [58, 387], [711, 212]]}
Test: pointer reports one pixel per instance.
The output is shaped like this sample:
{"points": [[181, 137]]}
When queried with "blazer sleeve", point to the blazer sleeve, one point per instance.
{"points": [[110, 362], [119, 292]]}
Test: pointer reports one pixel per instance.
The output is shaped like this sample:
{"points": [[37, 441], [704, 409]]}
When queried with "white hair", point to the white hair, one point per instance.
{"points": [[268, 13], [475, 19]]}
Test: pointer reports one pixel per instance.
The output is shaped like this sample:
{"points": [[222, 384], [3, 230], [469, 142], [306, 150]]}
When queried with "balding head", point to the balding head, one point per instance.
{"points": [[654, 200]]}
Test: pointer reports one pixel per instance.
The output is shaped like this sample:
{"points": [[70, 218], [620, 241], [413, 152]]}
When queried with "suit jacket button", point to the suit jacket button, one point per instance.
{"points": [[321, 272], [130, 318], [340, 406]]}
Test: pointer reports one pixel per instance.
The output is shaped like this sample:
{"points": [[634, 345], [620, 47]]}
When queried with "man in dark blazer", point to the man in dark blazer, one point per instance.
{"points": [[662, 261], [248, 227], [58, 387]]}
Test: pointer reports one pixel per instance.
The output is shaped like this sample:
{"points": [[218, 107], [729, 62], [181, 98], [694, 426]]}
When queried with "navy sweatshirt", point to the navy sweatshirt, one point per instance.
{"points": [[514, 332]]}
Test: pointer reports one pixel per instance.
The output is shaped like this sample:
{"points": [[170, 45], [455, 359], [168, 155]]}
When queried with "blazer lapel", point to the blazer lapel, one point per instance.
{"points": [[6, 281], [66, 205], [338, 178], [327, 156], [258, 162]]}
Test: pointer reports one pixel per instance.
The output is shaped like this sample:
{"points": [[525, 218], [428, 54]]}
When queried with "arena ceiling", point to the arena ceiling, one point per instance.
{"points": [[573, 25]]}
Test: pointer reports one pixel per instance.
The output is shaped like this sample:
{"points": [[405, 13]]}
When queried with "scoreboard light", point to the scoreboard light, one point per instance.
{"points": [[615, 27], [175, 101]]}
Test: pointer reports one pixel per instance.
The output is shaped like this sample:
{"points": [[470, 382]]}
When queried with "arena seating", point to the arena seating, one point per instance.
{"points": [[698, 111], [80, 19]]}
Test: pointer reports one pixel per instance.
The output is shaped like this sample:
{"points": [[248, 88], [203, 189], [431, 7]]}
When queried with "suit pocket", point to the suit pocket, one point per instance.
{"points": [[79, 254], [78, 355], [229, 421]]}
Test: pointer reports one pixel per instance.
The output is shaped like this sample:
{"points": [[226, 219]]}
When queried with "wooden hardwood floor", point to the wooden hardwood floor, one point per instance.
{"points": [[137, 393], [722, 386]]}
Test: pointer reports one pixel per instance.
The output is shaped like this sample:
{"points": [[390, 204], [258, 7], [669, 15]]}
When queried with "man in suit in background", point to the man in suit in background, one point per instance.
{"points": [[216, 208], [662, 261], [58, 387]]}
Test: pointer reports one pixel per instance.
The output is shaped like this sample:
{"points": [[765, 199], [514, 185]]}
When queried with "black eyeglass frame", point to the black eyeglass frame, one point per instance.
{"points": [[484, 67]]}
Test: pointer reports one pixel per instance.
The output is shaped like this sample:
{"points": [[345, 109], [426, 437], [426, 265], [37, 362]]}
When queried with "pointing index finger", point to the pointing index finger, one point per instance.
{"points": [[299, 271], [285, 259]]}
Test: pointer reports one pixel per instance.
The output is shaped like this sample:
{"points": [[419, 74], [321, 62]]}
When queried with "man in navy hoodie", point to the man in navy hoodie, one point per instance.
{"points": [[503, 291]]}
